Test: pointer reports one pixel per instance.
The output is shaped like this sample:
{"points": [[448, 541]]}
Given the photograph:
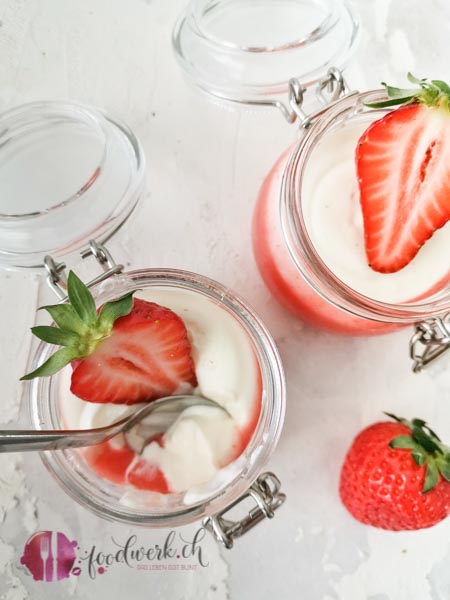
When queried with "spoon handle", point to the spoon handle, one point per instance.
{"points": [[24, 441], [28, 440]]}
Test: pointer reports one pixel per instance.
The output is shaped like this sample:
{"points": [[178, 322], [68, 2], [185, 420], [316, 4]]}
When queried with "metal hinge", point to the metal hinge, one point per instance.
{"points": [[328, 90], [430, 340], [56, 274], [266, 494]]}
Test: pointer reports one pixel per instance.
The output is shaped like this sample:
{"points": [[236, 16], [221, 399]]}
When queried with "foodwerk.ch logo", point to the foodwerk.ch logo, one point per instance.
{"points": [[51, 556]]}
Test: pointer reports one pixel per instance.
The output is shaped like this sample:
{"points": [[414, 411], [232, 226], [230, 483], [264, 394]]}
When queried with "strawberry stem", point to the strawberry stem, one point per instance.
{"points": [[77, 327], [426, 450], [429, 92]]}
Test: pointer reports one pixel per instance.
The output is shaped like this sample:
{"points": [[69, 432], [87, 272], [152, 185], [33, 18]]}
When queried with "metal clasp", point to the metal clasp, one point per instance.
{"points": [[430, 340], [329, 90], [336, 89], [265, 492], [56, 274], [333, 84]]}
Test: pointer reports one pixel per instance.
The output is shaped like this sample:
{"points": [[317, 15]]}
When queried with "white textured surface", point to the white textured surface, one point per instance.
{"points": [[205, 166]]}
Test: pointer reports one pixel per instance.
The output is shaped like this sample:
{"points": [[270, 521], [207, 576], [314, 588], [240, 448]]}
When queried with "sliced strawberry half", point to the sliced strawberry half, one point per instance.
{"points": [[147, 356], [403, 169], [129, 351]]}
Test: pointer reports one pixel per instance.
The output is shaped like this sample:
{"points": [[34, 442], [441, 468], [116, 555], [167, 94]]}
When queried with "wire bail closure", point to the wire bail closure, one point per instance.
{"points": [[265, 492], [329, 90], [56, 272], [430, 340]]}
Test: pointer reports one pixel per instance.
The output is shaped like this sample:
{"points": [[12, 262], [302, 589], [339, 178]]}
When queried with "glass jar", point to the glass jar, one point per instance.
{"points": [[238, 480], [70, 176], [287, 258]]}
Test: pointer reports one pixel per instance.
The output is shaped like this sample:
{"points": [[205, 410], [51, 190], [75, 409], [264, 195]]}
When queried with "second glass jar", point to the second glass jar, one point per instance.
{"points": [[290, 263]]}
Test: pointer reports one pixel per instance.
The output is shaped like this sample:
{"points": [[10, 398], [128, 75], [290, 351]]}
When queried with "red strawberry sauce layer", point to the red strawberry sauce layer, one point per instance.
{"points": [[282, 276], [114, 464]]}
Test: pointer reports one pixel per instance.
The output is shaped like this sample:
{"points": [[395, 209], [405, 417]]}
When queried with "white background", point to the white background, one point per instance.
{"points": [[205, 165]]}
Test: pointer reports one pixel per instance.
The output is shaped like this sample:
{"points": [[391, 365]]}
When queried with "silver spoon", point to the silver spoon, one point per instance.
{"points": [[59, 439]]}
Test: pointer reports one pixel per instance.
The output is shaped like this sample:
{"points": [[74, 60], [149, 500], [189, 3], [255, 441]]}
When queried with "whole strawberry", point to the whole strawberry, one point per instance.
{"points": [[396, 476]]}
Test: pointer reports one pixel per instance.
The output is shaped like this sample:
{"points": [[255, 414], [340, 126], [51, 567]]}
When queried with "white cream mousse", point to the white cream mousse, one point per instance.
{"points": [[333, 217], [203, 439]]}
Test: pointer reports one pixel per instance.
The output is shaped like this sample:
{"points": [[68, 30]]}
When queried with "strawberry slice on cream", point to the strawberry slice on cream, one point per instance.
{"points": [[127, 352], [403, 168]]}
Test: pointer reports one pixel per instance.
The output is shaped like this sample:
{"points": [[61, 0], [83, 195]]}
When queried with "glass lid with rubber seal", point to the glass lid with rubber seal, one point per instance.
{"points": [[68, 174], [248, 50]]}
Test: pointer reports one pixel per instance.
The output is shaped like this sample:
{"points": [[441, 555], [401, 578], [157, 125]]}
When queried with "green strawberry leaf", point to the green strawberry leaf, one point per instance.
{"points": [[393, 417], [432, 433], [441, 86], [387, 103], [398, 93], [413, 79], [419, 458], [431, 478], [405, 441], [57, 361], [66, 318], [425, 440], [53, 335], [431, 93], [444, 467], [113, 310], [81, 299]]}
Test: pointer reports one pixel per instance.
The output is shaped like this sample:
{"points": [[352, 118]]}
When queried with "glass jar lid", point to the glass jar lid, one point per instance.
{"points": [[248, 50], [68, 173]]}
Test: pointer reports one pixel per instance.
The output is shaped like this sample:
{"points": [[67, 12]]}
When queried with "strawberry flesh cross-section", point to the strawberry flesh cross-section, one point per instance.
{"points": [[403, 170], [147, 356]]}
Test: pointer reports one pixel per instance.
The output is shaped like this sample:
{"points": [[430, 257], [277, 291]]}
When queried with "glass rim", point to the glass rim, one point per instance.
{"points": [[316, 33], [262, 92], [254, 456], [86, 116], [301, 249]]}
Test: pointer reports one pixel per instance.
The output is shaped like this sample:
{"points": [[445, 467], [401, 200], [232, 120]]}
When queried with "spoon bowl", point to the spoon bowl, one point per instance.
{"points": [[60, 439]]}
